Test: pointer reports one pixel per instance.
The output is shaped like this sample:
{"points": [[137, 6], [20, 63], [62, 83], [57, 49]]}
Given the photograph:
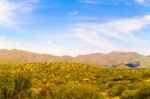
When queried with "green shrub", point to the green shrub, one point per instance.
{"points": [[32, 93], [141, 93], [116, 90], [146, 75], [7, 86], [80, 91], [144, 92], [22, 81], [129, 94], [13, 85], [72, 81]]}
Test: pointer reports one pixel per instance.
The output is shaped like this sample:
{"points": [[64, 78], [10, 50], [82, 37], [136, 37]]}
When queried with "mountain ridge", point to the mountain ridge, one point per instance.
{"points": [[109, 59]]}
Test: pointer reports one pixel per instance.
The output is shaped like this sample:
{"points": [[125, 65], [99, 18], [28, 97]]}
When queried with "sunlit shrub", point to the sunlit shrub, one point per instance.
{"points": [[80, 91], [72, 81], [130, 94], [7, 86], [116, 90]]}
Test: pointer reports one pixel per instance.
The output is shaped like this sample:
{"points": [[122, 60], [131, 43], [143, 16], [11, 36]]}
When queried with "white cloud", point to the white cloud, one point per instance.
{"points": [[12, 10], [143, 2], [74, 13], [116, 28], [7, 43], [89, 37], [50, 47], [89, 1], [109, 35], [116, 2], [119, 34], [140, 1]]}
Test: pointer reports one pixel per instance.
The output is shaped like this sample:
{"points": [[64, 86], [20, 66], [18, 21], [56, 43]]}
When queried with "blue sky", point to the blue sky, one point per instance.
{"points": [[73, 27]]}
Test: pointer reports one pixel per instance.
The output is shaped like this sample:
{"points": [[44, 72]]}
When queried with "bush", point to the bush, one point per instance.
{"points": [[144, 92], [32, 93], [129, 94], [13, 85], [141, 93], [116, 90], [80, 91], [146, 75], [72, 81], [7, 86]]}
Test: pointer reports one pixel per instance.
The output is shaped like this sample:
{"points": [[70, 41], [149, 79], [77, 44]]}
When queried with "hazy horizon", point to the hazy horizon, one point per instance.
{"points": [[119, 52], [75, 27]]}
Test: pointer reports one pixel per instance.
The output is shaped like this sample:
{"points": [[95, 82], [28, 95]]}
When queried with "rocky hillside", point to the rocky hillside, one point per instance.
{"points": [[110, 59]]}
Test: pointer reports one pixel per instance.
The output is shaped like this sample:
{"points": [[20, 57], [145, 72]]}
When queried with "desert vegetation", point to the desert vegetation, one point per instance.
{"points": [[72, 81]]}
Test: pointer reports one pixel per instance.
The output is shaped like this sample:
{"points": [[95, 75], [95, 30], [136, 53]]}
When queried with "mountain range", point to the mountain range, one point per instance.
{"points": [[111, 59]]}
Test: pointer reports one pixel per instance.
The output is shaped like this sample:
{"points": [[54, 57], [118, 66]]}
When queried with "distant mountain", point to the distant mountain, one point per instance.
{"points": [[21, 56], [110, 59], [114, 58], [121, 66]]}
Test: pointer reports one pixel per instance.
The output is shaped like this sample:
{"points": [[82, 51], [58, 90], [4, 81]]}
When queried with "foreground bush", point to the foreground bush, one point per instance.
{"points": [[80, 91], [72, 81], [13, 86]]}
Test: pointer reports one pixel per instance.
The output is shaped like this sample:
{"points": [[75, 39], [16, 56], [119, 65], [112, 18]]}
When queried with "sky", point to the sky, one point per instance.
{"points": [[73, 27]]}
